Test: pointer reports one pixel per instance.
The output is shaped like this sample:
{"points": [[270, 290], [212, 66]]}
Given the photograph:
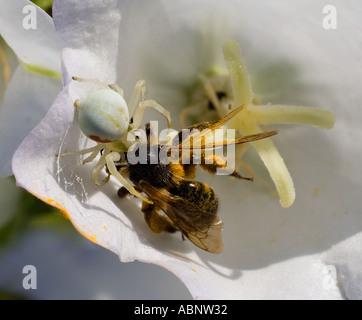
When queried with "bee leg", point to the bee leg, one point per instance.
{"points": [[123, 192], [156, 222], [218, 162], [240, 151]]}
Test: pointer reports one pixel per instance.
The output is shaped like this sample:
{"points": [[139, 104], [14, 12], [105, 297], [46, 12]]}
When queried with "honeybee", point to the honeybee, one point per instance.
{"points": [[190, 206]]}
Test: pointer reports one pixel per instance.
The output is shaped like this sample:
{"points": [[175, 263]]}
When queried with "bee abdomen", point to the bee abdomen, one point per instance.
{"points": [[198, 194]]}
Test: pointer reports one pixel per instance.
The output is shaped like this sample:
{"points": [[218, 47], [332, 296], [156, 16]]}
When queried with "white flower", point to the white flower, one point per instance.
{"points": [[308, 251], [36, 80]]}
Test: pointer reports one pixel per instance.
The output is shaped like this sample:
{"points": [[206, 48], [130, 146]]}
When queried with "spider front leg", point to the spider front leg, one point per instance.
{"points": [[116, 88], [91, 80], [110, 160], [138, 94], [140, 111], [138, 104]]}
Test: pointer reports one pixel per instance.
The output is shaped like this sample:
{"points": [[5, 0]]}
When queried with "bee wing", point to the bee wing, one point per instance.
{"points": [[189, 218], [213, 125], [205, 130], [238, 140], [210, 241]]}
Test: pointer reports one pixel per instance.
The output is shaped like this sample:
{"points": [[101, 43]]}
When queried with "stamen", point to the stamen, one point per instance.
{"points": [[253, 116], [274, 114]]}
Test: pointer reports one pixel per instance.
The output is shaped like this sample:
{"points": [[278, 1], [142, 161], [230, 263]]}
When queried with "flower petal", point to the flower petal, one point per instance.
{"points": [[21, 112], [168, 55], [84, 63], [100, 35], [344, 267], [40, 46]]}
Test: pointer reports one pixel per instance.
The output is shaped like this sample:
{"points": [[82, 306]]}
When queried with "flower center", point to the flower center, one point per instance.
{"points": [[211, 98]]}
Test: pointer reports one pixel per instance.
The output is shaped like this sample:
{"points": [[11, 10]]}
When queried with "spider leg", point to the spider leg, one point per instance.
{"points": [[116, 88], [98, 168], [140, 111], [96, 81], [138, 94], [109, 160], [94, 150]]}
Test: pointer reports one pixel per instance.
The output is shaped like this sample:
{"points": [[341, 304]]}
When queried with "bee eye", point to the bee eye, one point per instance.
{"points": [[103, 115]]}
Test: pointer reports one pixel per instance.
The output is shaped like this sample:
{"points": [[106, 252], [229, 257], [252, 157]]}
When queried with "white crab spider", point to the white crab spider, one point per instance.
{"points": [[103, 116]]}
